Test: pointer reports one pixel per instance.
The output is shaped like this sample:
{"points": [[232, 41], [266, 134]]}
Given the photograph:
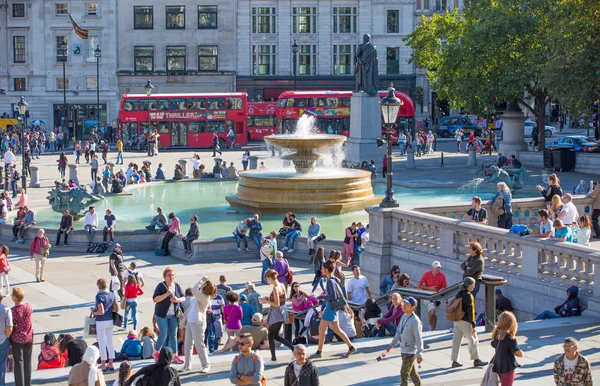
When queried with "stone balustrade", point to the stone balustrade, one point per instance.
{"points": [[413, 239]]}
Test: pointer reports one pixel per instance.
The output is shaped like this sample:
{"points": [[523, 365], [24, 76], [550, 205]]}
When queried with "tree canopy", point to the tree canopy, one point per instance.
{"points": [[502, 50]]}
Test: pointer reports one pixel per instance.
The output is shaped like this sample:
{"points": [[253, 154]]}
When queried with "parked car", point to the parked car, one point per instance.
{"points": [[550, 130], [577, 142], [447, 126]]}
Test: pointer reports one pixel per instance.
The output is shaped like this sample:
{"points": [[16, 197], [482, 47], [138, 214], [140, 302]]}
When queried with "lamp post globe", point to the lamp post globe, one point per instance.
{"points": [[22, 107], [390, 105], [148, 88]]}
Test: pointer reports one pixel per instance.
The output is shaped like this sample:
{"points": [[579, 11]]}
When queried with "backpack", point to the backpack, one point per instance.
{"points": [[454, 310], [498, 206], [315, 321], [101, 248], [263, 380]]}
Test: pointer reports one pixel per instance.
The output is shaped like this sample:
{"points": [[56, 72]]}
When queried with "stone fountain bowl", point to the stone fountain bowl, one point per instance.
{"points": [[312, 142]]}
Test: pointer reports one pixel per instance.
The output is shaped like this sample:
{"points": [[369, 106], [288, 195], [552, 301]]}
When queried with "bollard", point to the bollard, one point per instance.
{"points": [[111, 167], [410, 158], [253, 162], [472, 157], [183, 164], [34, 181], [442, 160]]}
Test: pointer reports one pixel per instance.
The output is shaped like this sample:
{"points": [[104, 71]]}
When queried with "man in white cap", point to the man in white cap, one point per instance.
{"points": [[435, 281]]}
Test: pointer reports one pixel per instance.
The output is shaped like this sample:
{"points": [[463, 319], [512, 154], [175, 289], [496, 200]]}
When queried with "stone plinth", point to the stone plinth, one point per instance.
{"points": [[34, 181], [183, 163], [472, 161], [73, 173], [513, 134], [365, 128], [253, 162]]}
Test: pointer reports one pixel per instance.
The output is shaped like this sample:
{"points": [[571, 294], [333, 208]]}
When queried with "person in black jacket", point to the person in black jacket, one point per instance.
{"points": [[308, 373], [570, 307], [474, 265], [502, 302], [465, 328], [552, 190], [66, 226], [192, 235]]}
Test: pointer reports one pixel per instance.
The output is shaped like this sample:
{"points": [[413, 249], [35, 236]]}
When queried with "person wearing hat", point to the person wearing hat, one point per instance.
{"points": [[247, 311], [435, 281], [259, 333], [86, 373], [410, 336], [117, 267], [465, 328]]}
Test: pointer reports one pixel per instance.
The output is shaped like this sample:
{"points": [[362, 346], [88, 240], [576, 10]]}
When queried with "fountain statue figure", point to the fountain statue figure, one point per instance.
{"points": [[76, 200], [513, 178], [309, 188]]}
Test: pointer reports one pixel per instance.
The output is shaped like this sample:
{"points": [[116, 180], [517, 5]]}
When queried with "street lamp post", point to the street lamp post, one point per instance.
{"points": [[63, 52], [98, 54], [22, 107], [295, 52], [148, 87], [390, 105]]}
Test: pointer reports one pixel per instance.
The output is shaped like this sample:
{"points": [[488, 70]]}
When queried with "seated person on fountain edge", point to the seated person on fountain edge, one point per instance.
{"points": [[546, 227], [476, 213]]}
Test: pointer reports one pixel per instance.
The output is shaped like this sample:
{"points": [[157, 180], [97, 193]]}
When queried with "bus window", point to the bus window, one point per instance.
{"points": [[290, 102], [282, 102], [130, 105], [163, 127], [218, 126], [250, 121], [144, 126], [233, 103], [177, 104], [318, 102], [163, 104], [197, 126], [344, 102], [332, 101], [216, 103], [129, 130], [301, 102], [196, 104], [263, 121]]}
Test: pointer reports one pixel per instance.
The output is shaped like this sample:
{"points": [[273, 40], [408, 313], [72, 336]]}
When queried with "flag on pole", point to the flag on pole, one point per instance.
{"points": [[82, 33]]}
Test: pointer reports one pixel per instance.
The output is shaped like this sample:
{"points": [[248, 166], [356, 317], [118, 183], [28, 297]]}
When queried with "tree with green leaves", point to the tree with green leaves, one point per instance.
{"points": [[495, 50]]}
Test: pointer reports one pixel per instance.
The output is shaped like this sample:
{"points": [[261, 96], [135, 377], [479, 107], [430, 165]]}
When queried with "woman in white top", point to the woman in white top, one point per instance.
{"points": [[458, 136], [194, 322], [346, 322], [245, 159]]}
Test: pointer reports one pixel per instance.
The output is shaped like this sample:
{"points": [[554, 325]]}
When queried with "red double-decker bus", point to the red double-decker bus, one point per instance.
{"points": [[261, 119], [332, 110], [185, 120]]}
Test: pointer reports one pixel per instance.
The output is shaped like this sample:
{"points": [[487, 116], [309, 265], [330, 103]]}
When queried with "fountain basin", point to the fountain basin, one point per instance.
{"points": [[327, 191]]}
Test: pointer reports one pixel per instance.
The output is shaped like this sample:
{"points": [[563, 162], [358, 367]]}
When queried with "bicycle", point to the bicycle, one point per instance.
{"points": [[484, 172]]}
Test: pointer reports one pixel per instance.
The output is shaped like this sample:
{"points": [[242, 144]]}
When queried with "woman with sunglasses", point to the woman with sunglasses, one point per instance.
{"points": [[387, 283]]}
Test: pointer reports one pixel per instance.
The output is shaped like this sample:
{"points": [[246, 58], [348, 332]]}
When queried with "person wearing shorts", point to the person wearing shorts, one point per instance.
{"points": [[435, 281]]}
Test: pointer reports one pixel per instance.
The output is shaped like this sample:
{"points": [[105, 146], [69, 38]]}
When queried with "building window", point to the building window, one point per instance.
{"points": [[175, 58], [18, 49], [392, 55], [208, 58], [263, 60], [304, 19], [91, 9], [62, 83], [307, 59], [144, 59], [342, 59], [91, 83], [62, 56], [143, 17], [207, 17], [175, 16], [441, 5], [344, 20], [18, 10], [263, 20], [393, 21], [20, 84], [61, 9]]}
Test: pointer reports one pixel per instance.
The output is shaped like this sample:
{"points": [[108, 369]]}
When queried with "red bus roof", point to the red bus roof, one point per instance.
{"points": [[408, 106], [208, 94]]}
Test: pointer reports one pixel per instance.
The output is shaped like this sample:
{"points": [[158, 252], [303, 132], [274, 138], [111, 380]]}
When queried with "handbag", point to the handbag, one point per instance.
{"points": [[117, 319], [339, 303], [123, 303], [89, 326], [490, 378]]}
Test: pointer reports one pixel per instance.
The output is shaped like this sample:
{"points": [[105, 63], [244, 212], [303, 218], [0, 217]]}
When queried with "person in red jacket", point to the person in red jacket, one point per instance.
{"points": [[132, 291], [39, 248]]}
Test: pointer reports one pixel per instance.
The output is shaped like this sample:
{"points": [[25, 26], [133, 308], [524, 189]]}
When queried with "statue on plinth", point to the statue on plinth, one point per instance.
{"points": [[365, 67], [513, 178]]}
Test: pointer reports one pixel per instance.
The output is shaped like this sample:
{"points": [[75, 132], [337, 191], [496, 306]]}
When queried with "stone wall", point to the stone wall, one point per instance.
{"points": [[585, 162]]}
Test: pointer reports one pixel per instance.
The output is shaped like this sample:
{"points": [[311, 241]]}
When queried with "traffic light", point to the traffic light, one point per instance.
{"points": [[92, 111], [27, 113]]}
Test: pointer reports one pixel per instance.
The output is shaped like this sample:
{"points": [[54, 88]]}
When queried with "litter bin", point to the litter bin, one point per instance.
{"points": [[563, 159], [548, 159]]}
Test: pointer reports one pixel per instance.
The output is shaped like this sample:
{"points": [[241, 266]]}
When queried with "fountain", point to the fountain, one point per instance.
{"points": [[306, 188]]}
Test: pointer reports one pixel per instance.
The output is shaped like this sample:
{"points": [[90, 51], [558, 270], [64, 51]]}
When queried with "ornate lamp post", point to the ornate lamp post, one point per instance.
{"points": [[390, 105], [63, 53], [295, 52], [22, 107], [98, 54], [148, 87]]}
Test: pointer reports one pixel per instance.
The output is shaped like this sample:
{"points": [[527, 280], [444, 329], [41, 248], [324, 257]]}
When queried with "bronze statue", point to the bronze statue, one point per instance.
{"points": [[365, 67], [75, 200]]}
